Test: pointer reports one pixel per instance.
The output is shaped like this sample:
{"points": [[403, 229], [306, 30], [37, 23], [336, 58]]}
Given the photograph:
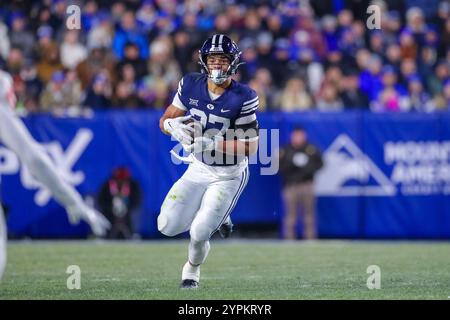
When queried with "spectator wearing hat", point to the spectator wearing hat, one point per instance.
{"points": [[419, 100], [98, 94], [49, 61], [57, 95], [44, 41], [19, 36]]}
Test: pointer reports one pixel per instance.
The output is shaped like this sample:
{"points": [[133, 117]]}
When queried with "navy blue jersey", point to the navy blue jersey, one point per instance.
{"points": [[234, 109]]}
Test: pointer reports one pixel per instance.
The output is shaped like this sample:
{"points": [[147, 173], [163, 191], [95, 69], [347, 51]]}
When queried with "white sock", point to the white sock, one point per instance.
{"points": [[190, 272]]}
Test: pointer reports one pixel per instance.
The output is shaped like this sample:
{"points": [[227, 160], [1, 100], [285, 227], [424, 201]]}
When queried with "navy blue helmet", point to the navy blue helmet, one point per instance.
{"points": [[220, 44]]}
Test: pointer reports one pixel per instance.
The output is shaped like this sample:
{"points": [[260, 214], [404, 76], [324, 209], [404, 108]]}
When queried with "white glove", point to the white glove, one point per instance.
{"points": [[98, 223], [202, 144], [180, 131]]}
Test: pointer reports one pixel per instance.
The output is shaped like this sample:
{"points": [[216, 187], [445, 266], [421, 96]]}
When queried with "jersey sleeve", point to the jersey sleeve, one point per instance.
{"points": [[180, 99], [246, 123]]}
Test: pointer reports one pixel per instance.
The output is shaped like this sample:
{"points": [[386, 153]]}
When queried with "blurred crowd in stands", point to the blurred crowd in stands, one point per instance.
{"points": [[300, 55]]}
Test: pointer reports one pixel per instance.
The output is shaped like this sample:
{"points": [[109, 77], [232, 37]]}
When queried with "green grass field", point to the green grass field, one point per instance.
{"points": [[234, 270]]}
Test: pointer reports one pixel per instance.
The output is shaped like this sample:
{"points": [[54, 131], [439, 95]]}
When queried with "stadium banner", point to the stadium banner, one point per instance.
{"points": [[410, 153], [385, 175]]}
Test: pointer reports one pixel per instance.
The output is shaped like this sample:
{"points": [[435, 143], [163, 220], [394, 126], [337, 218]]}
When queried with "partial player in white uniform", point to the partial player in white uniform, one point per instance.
{"points": [[15, 136], [202, 200]]}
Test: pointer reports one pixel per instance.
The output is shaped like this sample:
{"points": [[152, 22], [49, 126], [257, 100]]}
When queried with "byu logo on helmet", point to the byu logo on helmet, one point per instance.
{"points": [[220, 44]]}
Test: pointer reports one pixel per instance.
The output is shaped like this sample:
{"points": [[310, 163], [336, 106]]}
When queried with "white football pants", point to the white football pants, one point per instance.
{"points": [[202, 199]]}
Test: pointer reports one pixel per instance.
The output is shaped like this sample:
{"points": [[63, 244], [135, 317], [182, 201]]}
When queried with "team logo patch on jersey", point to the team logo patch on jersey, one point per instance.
{"points": [[210, 106], [193, 102]]}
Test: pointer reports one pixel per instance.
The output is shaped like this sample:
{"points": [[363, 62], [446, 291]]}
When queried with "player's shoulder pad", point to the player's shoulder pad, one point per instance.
{"points": [[246, 92], [250, 96]]}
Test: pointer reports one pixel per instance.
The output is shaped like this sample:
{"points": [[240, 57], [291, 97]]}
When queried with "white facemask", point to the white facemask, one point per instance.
{"points": [[218, 76]]}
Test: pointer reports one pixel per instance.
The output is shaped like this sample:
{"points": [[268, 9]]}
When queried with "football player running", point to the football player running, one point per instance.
{"points": [[202, 200], [15, 136]]}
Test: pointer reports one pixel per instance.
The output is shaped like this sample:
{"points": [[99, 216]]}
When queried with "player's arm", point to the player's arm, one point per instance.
{"points": [[245, 133], [243, 141], [170, 113], [238, 147], [173, 120], [246, 130], [173, 123]]}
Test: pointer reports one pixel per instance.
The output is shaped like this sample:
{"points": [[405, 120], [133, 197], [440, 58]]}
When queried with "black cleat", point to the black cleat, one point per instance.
{"points": [[189, 284], [226, 229]]}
